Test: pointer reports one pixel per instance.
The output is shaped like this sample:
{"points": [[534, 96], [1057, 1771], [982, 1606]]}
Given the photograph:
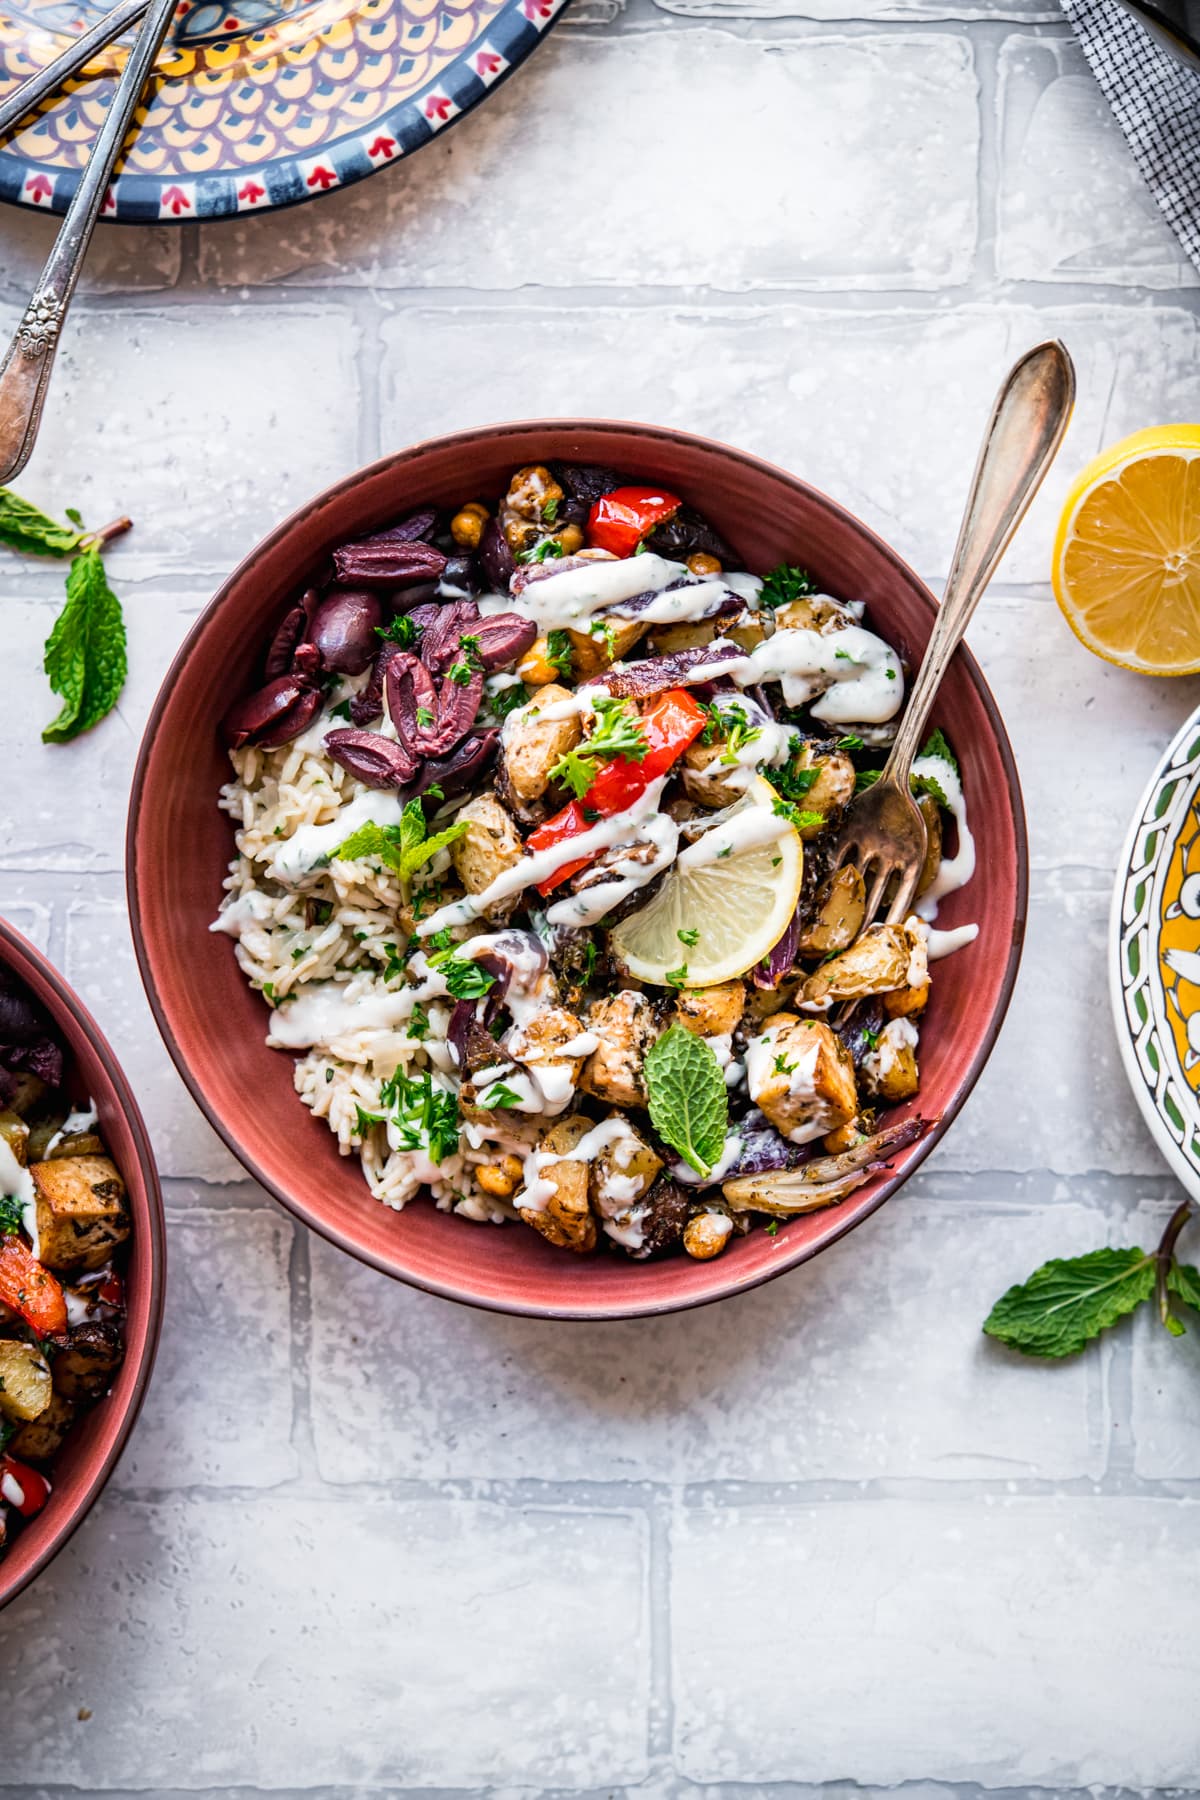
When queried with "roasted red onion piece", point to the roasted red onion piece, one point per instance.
{"points": [[376, 761], [27, 1040], [685, 533], [771, 970], [784, 1192], [658, 673], [495, 557], [720, 607], [387, 561], [273, 714], [528, 573], [344, 630]]}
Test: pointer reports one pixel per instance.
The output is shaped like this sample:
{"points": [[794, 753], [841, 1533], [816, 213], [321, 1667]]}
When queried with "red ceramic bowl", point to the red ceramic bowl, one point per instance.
{"points": [[90, 1453], [179, 845]]}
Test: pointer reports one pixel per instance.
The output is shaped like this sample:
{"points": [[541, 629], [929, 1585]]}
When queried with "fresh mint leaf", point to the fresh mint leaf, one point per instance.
{"points": [[85, 658], [1066, 1303], [27, 529], [1184, 1282], [935, 745], [689, 1102], [402, 848]]}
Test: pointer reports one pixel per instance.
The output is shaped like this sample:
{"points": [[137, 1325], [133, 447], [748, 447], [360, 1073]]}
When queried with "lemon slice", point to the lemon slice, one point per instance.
{"points": [[718, 918], [1127, 556]]}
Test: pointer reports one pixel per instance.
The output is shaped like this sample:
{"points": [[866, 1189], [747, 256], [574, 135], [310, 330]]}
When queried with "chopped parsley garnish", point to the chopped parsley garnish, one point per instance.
{"points": [[866, 778], [425, 1117], [507, 699], [10, 1214], [737, 731], [539, 554], [402, 630], [690, 937], [558, 651], [617, 733], [771, 1227], [784, 584], [803, 821], [341, 711], [890, 673], [395, 962], [677, 978], [550, 510], [459, 673], [418, 1024], [870, 1039], [784, 1067], [849, 742], [500, 1097], [845, 656], [465, 979], [442, 940]]}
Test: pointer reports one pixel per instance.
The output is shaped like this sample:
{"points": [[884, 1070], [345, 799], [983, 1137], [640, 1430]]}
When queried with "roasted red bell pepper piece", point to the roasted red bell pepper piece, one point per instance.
{"points": [[34, 1488], [620, 520], [669, 723], [31, 1290], [111, 1290]]}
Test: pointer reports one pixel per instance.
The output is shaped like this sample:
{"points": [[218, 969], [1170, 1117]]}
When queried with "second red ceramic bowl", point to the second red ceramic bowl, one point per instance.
{"points": [[90, 1452], [179, 845]]}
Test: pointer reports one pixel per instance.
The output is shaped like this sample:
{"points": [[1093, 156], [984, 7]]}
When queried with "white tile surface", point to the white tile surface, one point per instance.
{"points": [[366, 1543], [1012, 1642], [300, 1643], [819, 107]]}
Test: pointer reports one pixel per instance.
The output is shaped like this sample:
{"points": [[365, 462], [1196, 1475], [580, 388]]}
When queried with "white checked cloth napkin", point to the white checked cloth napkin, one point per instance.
{"points": [[1157, 103]]}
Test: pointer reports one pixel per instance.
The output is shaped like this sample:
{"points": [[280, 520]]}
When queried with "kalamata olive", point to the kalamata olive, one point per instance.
{"points": [[291, 629], [272, 714], [457, 771], [461, 576], [458, 703], [421, 593], [503, 639], [411, 698], [22, 1020], [344, 630], [376, 761], [586, 482], [495, 557], [686, 533], [441, 643], [387, 561]]}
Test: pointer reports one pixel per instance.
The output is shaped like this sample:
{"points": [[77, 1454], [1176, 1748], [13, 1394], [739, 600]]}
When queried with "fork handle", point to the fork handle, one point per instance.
{"points": [[77, 55], [1031, 414], [25, 371]]}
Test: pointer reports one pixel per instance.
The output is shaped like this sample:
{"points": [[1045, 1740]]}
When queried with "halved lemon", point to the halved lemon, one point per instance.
{"points": [[713, 920], [1127, 555]]}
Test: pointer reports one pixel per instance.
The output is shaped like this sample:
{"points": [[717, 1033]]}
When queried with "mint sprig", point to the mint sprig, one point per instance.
{"points": [[689, 1102], [29, 531], [403, 848], [1069, 1301]]}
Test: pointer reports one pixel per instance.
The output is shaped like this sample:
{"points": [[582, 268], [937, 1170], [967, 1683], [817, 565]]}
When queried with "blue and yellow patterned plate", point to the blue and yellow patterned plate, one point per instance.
{"points": [[257, 104], [1154, 961]]}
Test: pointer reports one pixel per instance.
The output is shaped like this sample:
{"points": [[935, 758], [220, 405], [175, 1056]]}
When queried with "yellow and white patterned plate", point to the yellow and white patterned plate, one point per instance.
{"points": [[1154, 962], [257, 104]]}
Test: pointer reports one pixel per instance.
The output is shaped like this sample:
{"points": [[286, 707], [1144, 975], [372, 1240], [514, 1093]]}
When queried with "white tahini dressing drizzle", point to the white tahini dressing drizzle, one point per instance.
{"points": [[74, 1125], [544, 863], [559, 602], [748, 827], [327, 1010], [299, 854], [857, 676], [614, 1134], [953, 871], [625, 876]]}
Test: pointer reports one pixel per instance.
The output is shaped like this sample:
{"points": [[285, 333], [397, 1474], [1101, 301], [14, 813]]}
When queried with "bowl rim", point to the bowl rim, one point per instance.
{"points": [[18, 954], [395, 461]]}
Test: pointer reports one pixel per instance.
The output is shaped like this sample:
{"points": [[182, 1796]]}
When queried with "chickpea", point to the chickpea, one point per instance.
{"points": [[520, 534], [701, 563], [598, 556], [500, 1178], [571, 539], [535, 667], [706, 1235], [466, 527], [531, 490]]}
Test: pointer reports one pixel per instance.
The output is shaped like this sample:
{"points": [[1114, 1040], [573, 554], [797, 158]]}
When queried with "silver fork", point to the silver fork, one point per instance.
{"points": [[25, 371], [883, 833], [79, 52]]}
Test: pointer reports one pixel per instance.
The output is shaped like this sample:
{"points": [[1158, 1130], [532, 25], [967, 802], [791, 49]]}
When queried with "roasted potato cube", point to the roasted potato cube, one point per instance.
{"points": [[764, 1003], [666, 640], [532, 744], [80, 1143], [706, 777], [714, 1011], [81, 1212], [624, 1171], [24, 1092], [25, 1384], [844, 1138], [831, 791], [566, 1219], [85, 1368], [592, 651], [841, 903], [41, 1438], [890, 1071], [875, 964], [539, 1045], [490, 845], [801, 1077], [15, 1133], [626, 1026], [747, 632], [815, 612], [931, 812]]}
